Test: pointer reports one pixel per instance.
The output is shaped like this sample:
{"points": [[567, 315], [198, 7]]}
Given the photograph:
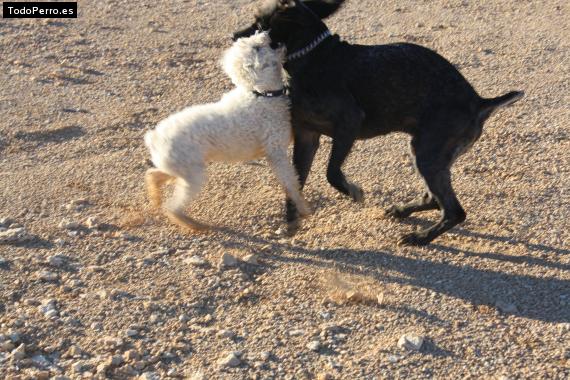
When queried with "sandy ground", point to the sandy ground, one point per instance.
{"points": [[96, 284]]}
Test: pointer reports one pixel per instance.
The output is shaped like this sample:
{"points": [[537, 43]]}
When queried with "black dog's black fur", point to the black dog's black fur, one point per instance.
{"points": [[354, 92]]}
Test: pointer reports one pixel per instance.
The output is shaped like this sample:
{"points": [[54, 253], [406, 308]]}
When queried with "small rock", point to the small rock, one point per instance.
{"points": [[251, 259], [296, 332], [56, 260], [97, 326], [131, 355], [393, 358], [48, 276], [74, 351], [265, 355], [197, 376], [5, 222], [115, 360], [40, 361], [131, 332], [506, 307], [48, 308], [149, 376], [19, 353], [183, 318], [6, 346], [15, 336], [196, 261], [15, 235], [226, 334], [231, 360], [314, 345], [227, 260], [92, 223], [67, 224], [77, 367], [3, 262], [410, 342], [325, 376]]}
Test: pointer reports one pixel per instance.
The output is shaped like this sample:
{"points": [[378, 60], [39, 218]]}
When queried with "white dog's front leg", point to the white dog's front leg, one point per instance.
{"points": [[286, 176]]}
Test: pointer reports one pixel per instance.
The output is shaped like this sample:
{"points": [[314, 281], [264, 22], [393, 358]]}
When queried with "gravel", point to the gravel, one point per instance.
{"points": [[84, 258]]}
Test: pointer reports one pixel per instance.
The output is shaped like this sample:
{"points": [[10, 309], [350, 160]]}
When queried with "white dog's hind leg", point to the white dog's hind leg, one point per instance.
{"points": [[185, 191], [285, 173], [155, 179]]}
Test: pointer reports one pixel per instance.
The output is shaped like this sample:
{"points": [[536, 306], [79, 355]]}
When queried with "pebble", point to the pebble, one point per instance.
{"points": [[19, 353], [195, 261], [6, 346], [393, 358], [410, 342], [15, 235], [48, 308], [227, 260], [197, 376], [56, 260], [149, 376], [251, 259], [325, 376], [97, 326], [230, 360], [115, 360], [506, 307], [296, 332], [131, 355], [314, 345], [48, 276], [226, 334], [3, 261], [15, 336], [40, 361], [5, 222], [74, 351], [92, 223], [131, 332], [67, 224], [265, 355], [77, 367]]}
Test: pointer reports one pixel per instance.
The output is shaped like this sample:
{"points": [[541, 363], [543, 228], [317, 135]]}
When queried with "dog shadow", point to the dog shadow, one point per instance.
{"points": [[536, 297]]}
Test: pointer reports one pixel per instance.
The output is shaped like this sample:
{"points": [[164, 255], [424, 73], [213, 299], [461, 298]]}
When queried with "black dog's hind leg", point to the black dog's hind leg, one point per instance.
{"points": [[434, 160], [425, 203], [304, 150]]}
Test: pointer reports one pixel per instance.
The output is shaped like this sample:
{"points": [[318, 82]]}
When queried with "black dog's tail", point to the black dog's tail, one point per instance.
{"points": [[488, 106]]}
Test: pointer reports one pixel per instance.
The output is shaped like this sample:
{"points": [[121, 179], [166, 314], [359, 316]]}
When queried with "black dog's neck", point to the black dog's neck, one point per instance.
{"points": [[299, 40]]}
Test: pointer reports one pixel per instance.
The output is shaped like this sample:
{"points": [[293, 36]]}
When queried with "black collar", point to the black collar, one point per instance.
{"points": [[271, 94]]}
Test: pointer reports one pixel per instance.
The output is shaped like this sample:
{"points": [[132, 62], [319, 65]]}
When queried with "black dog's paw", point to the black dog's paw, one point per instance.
{"points": [[395, 212], [356, 193], [415, 239]]}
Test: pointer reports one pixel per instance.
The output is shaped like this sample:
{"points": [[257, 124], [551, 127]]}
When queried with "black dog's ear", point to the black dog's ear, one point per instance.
{"points": [[323, 8]]}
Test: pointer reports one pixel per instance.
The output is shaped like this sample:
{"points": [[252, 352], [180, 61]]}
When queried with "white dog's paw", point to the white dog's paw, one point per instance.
{"points": [[305, 210]]}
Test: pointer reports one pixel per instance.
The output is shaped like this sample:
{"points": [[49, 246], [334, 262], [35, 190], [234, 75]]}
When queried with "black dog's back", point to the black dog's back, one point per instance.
{"points": [[395, 84]]}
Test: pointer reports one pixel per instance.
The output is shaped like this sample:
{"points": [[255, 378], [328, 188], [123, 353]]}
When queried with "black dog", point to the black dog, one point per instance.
{"points": [[354, 92]]}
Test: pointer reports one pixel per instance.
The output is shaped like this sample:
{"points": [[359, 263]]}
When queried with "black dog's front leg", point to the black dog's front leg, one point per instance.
{"points": [[306, 144], [346, 130]]}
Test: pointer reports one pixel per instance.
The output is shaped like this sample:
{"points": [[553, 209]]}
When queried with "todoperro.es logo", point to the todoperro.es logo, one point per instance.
{"points": [[18, 9]]}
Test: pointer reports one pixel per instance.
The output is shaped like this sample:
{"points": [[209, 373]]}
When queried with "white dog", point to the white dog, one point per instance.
{"points": [[251, 121]]}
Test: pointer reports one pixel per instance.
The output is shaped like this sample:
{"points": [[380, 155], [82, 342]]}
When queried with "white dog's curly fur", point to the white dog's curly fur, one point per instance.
{"points": [[241, 126]]}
